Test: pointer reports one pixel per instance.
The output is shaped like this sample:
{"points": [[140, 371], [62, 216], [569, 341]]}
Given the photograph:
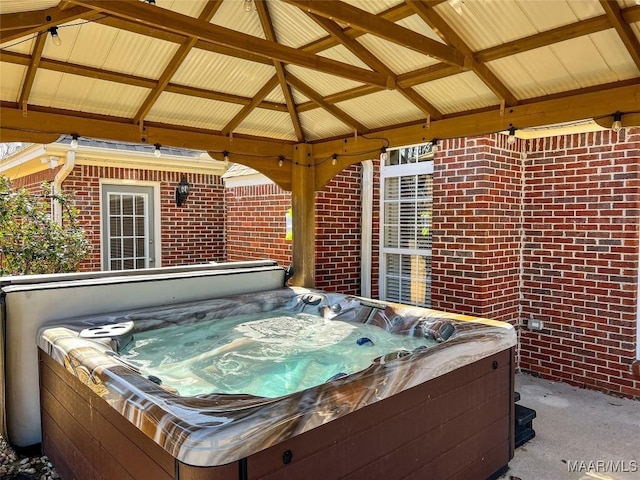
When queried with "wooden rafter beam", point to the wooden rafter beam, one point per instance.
{"points": [[117, 77], [614, 14], [332, 109], [373, 62], [437, 23], [555, 35], [419, 101], [188, 26], [572, 106], [270, 34], [427, 74], [14, 26], [39, 19], [333, 29], [209, 10], [247, 109], [578, 106], [393, 14], [382, 28], [129, 26], [32, 69], [341, 97], [52, 121], [543, 39]]}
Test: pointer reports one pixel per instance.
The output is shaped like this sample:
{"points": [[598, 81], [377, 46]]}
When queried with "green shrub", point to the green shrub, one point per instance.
{"points": [[31, 241]]}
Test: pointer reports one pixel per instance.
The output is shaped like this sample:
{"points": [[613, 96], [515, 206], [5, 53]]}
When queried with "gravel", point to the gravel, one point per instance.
{"points": [[21, 467]]}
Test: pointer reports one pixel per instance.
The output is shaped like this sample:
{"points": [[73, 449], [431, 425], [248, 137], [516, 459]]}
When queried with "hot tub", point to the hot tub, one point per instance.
{"points": [[436, 403]]}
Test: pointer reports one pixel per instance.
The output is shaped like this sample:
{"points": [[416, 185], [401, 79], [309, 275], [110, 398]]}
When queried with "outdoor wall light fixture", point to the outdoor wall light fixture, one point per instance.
{"points": [[156, 152], [225, 156], [434, 145], [512, 136], [617, 122], [182, 191], [280, 160], [334, 159], [384, 156], [55, 37], [74, 141]]}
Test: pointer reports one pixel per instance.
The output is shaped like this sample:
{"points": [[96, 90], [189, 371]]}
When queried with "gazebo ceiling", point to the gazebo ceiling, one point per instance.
{"points": [[257, 77]]}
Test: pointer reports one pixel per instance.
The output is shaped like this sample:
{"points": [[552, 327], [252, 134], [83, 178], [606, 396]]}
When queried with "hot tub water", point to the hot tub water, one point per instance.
{"points": [[267, 355]]}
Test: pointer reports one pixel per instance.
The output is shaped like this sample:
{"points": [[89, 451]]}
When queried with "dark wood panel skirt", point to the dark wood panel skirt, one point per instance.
{"points": [[457, 426]]}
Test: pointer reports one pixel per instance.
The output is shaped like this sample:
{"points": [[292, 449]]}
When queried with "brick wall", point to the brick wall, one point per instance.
{"points": [[338, 233], [255, 223], [581, 259], [255, 229], [477, 186], [193, 233]]}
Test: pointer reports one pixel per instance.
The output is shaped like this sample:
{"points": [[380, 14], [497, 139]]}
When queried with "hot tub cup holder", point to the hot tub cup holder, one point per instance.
{"points": [[119, 333]]}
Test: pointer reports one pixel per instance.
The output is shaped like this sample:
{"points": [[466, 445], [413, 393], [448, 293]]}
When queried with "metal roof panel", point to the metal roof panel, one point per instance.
{"points": [[319, 123], [576, 63], [267, 123], [173, 108], [101, 46], [11, 78], [323, 83], [382, 109], [399, 59], [233, 15], [481, 24], [222, 73], [456, 93], [15, 6], [54, 89], [373, 6], [293, 27]]}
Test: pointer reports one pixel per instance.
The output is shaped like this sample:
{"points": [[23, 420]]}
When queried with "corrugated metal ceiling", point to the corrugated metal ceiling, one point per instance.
{"points": [[112, 69]]}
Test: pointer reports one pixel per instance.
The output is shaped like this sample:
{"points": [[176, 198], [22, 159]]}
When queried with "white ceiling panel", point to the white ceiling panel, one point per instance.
{"points": [[293, 27], [614, 55], [222, 73], [267, 123], [276, 95], [100, 46], [464, 91], [399, 59], [322, 83], [192, 112], [576, 63], [53, 89], [373, 6], [233, 15], [23, 45], [319, 123], [14, 6], [11, 78], [340, 53], [382, 109]]}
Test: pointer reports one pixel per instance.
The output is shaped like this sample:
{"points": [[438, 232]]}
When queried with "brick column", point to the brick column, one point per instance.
{"points": [[477, 229]]}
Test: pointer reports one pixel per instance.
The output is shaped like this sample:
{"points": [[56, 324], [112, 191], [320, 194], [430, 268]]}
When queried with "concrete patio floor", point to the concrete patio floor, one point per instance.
{"points": [[595, 435]]}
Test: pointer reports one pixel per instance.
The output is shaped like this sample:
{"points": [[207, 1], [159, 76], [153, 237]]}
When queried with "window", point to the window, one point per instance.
{"points": [[406, 208]]}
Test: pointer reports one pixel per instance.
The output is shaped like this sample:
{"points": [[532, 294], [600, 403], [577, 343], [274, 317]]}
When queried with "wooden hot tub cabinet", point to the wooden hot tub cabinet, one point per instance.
{"points": [[456, 426]]}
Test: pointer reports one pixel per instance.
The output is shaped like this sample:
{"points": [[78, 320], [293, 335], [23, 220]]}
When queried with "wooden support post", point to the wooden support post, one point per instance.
{"points": [[304, 216]]}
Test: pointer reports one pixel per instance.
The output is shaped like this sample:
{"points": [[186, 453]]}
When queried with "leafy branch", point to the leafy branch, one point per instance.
{"points": [[31, 241]]}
